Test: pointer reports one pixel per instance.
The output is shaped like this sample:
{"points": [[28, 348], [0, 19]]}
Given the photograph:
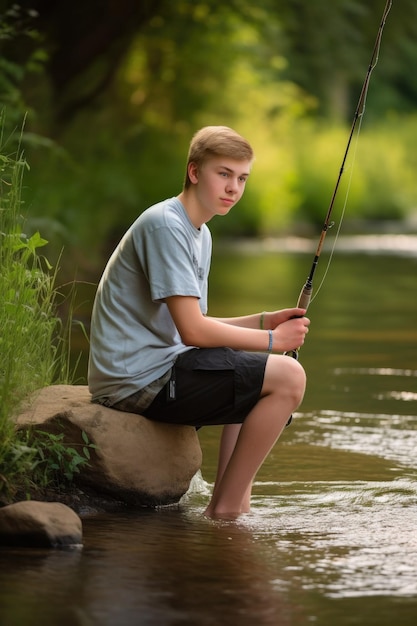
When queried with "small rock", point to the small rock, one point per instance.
{"points": [[40, 525]]}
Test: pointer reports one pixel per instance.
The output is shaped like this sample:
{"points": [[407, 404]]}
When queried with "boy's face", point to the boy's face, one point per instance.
{"points": [[218, 184]]}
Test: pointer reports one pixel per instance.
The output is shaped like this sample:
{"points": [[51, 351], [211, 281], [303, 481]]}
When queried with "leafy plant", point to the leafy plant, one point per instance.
{"points": [[55, 462], [16, 463], [36, 459]]}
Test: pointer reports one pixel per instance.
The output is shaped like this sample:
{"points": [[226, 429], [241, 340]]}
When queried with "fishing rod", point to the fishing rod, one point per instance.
{"points": [[307, 290]]}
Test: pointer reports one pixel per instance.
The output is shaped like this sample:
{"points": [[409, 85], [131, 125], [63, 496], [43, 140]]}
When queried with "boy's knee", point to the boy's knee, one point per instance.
{"points": [[297, 369], [296, 377], [285, 375]]}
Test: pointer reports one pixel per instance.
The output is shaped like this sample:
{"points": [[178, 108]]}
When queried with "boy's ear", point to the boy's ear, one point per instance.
{"points": [[193, 172]]}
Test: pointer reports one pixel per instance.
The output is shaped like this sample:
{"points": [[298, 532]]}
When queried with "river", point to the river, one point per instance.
{"points": [[332, 535]]}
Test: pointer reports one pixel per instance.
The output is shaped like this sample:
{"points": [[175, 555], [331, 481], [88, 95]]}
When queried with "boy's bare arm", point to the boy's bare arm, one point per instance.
{"points": [[266, 320], [207, 332]]}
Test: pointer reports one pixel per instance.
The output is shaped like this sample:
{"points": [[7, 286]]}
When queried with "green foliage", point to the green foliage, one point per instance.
{"points": [[386, 171], [16, 32], [32, 343], [16, 461], [260, 69], [54, 462], [378, 175], [27, 299], [37, 460]]}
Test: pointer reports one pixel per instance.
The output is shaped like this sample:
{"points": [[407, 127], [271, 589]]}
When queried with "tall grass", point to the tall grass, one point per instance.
{"points": [[30, 331]]}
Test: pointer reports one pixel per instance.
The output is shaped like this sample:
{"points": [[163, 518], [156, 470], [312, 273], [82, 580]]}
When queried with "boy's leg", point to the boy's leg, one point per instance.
{"points": [[282, 392], [228, 441]]}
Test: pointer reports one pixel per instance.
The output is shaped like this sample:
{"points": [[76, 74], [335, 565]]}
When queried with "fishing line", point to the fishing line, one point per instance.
{"points": [[361, 105], [307, 290], [342, 215]]}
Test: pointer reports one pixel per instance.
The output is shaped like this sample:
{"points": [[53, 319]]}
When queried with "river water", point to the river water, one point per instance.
{"points": [[332, 535]]}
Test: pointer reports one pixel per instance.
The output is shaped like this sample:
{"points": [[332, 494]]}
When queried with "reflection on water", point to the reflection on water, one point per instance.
{"points": [[165, 567], [331, 538], [345, 539]]}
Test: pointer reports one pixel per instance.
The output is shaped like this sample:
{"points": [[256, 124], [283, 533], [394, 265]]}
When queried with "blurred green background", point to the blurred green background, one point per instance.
{"points": [[110, 93]]}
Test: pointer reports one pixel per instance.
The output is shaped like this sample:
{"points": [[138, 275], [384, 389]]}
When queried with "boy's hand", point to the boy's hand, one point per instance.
{"points": [[290, 328], [276, 318]]}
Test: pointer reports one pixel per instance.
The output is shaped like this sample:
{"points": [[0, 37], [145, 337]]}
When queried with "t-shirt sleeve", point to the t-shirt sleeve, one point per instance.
{"points": [[172, 267]]}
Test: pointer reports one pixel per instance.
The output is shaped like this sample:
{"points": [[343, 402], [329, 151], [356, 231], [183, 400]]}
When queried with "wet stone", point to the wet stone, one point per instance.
{"points": [[39, 525]]}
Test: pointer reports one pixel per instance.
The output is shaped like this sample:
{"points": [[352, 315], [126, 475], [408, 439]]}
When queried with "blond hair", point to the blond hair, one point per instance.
{"points": [[212, 141]]}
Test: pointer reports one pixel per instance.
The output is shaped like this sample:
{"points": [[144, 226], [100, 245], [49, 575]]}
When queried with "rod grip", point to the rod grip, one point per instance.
{"points": [[305, 296], [303, 302]]}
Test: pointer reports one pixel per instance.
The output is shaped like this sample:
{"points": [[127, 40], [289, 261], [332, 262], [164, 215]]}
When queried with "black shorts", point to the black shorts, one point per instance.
{"points": [[210, 386]]}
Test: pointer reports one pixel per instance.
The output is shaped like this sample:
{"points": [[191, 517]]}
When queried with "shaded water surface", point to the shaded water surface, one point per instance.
{"points": [[332, 536]]}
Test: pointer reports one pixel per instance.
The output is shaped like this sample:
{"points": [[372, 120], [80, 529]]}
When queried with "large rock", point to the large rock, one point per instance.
{"points": [[39, 524], [137, 461]]}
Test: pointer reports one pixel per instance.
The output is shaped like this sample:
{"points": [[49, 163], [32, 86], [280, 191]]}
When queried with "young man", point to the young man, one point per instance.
{"points": [[155, 351]]}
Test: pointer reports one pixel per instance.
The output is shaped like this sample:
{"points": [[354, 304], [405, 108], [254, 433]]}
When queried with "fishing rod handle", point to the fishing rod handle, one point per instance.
{"points": [[305, 296], [303, 302]]}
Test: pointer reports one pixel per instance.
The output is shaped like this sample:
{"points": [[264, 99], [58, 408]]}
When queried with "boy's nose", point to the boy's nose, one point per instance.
{"points": [[231, 185]]}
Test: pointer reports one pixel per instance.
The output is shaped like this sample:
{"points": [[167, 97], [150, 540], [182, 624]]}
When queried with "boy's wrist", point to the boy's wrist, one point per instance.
{"points": [[270, 340]]}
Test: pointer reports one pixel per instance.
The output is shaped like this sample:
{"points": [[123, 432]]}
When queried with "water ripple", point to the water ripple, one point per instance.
{"points": [[344, 539], [391, 437]]}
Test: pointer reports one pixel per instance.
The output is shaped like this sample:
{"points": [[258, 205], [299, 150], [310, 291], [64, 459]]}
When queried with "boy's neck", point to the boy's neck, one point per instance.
{"points": [[188, 200]]}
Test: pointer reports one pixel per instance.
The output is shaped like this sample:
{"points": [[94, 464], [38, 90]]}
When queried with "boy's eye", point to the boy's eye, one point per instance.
{"points": [[241, 179]]}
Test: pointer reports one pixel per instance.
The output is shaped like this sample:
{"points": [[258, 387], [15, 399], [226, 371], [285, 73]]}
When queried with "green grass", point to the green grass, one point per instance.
{"points": [[32, 339]]}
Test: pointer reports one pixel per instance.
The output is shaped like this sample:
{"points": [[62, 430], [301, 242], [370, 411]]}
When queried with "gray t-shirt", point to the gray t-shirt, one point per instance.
{"points": [[134, 340]]}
